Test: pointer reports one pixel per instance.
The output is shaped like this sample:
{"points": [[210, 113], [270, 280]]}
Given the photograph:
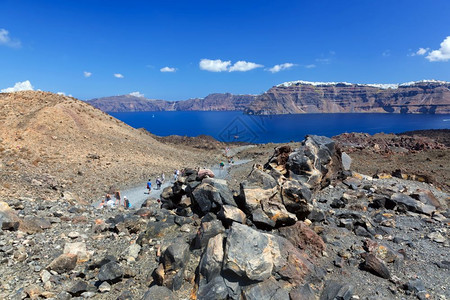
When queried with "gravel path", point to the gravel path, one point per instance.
{"points": [[138, 194]]}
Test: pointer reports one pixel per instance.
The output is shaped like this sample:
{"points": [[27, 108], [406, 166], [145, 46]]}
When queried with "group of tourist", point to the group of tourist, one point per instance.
{"points": [[109, 202]]}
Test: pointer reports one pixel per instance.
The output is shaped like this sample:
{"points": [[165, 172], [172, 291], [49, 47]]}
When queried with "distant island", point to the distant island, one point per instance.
{"points": [[297, 97]]}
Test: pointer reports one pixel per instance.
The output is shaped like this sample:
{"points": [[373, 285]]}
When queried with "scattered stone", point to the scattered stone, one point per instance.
{"points": [[78, 288], [375, 265], [436, 237], [159, 292], [63, 263], [78, 249], [104, 287], [335, 290], [111, 271]]}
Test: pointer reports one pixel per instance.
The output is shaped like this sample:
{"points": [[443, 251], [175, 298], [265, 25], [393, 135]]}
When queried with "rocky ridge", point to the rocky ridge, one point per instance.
{"points": [[301, 226], [212, 102], [427, 97], [308, 97]]}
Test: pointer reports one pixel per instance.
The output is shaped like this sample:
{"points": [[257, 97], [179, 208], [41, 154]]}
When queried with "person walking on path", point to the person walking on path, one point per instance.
{"points": [[126, 202], [175, 175], [102, 204], [158, 183], [149, 185], [117, 196]]}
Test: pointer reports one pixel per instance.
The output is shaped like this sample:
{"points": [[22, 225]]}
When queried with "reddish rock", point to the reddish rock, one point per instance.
{"points": [[304, 237]]}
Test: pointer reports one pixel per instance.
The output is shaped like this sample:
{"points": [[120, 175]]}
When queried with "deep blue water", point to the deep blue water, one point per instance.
{"points": [[235, 126]]}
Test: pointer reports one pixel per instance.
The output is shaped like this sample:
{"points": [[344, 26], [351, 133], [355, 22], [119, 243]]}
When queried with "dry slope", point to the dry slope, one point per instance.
{"points": [[51, 143]]}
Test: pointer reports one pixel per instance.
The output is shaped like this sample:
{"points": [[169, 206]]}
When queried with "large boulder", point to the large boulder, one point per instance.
{"points": [[315, 162], [252, 195], [176, 256], [296, 198], [211, 262], [215, 289], [266, 290], [276, 211], [260, 178], [290, 262], [412, 204], [303, 237], [209, 227], [206, 198], [231, 214], [248, 253]]}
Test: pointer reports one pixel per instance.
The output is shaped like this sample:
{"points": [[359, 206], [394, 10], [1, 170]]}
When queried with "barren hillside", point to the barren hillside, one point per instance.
{"points": [[51, 143]]}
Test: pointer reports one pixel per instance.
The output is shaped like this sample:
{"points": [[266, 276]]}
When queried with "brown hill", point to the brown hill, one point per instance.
{"points": [[51, 143]]}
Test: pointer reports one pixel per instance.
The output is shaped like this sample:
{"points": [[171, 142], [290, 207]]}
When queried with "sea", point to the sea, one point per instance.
{"points": [[233, 126]]}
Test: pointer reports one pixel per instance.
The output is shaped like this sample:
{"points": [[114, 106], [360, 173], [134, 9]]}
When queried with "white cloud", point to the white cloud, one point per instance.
{"points": [[19, 86], [167, 69], [244, 66], [422, 51], [118, 75], [310, 66], [443, 54], [137, 94], [386, 53], [6, 40], [87, 74], [281, 67], [61, 93], [215, 65]]}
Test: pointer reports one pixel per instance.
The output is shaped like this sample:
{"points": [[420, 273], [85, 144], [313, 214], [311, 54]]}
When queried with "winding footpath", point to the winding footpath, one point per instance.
{"points": [[138, 194]]}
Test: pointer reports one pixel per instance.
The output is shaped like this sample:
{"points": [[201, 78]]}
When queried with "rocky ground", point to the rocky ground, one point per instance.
{"points": [[356, 217], [301, 223]]}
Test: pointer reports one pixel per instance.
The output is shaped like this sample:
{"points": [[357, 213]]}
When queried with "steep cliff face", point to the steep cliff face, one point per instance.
{"points": [[128, 103], [310, 97], [212, 102], [216, 102], [305, 97]]}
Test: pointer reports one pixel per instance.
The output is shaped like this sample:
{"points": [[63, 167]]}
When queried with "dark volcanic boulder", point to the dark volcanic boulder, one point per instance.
{"points": [[268, 289], [209, 228], [260, 178], [412, 204], [211, 261], [206, 198], [296, 198], [248, 253], [159, 292], [111, 271], [314, 162]]}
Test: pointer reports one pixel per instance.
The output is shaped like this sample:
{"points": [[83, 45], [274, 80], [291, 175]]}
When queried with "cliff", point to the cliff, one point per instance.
{"points": [[429, 97], [212, 102], [323, 97]]}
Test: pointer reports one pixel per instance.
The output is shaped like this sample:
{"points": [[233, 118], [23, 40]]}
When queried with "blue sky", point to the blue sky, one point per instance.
{"points": [[241, 47]]}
